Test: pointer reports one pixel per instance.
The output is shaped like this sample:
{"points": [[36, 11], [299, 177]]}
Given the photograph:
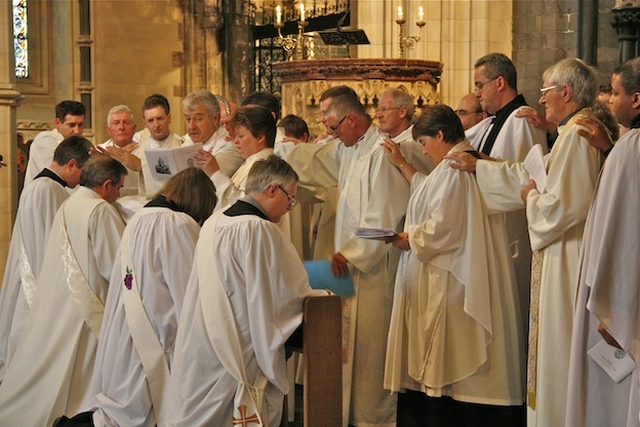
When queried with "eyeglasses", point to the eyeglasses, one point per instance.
{"points": [[292, 200], [335, 127], [465, 113], [544, 90], [385, 109], [480, 85]]}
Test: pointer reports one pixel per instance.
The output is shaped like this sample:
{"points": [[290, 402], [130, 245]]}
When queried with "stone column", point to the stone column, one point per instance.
{"points": [[9, 99]]}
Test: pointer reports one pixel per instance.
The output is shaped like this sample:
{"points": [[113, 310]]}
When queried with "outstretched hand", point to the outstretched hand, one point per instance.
{"points": [[393, 152], [462, 161], [595, 134], [536, 119], [339, 265], [123, 155]]}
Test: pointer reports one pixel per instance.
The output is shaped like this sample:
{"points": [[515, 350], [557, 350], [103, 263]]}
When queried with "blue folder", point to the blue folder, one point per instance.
{"points": [[320, 277]]}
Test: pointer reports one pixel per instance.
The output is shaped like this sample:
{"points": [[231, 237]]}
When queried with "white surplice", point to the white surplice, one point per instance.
{"points": [[609, 292], [38, 205], [373, 193], [266, 285], [52, 366], [555, 222], [455, 328], [230, 189], [513, 142], [41, 153], [162, 243]]}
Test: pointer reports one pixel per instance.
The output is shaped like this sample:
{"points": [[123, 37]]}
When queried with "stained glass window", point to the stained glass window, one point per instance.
{"points": [[20, 40]]}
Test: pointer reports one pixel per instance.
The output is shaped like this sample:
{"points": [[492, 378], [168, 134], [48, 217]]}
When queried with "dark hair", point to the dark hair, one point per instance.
{"points": [[605, 88], [156, 100], [336, 91], [436, 118], [100, 168], [264, 99], [72, 108], [259, 121], [272, 170], [629, 73], [193, 191], [498, 64], [73, 147], [605, 115], [294, 126]]}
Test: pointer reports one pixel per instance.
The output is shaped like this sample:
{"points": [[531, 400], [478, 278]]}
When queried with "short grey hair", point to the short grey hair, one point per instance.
{"points": [[580, 77], [272, 170], [119, 109], [204, 97], [401, 99], [347, 104]]}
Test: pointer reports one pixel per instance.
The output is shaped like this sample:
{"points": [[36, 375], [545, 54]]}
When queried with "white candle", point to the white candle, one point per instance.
{"points": [[400, 14], [420, 14], [302, 11], [278, 14]]}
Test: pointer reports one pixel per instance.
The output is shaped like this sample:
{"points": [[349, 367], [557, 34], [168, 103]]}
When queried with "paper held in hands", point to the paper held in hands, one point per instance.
{"points": [[534, 162], [166, 162], [320, 277], [615, 362], [373, 233]]}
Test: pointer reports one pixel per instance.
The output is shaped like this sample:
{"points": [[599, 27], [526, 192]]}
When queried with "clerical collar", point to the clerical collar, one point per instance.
{"points": [[246, 206], [48, 173], [635, 123], [566, 119], [499, 120], [161, 201]]}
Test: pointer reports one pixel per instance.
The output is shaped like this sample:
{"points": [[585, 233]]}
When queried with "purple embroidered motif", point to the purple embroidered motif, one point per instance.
{"points": [[128, 278]]}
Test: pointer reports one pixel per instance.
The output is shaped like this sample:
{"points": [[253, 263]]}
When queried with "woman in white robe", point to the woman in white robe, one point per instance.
{"points": [[161, 243], [255, 129], [455, 351], [243, 300]]}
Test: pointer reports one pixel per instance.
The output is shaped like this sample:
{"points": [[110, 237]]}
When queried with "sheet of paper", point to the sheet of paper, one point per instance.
{"points": [[534, 162], [320, 277], [373, 233], [164, 163], [615, 362]]}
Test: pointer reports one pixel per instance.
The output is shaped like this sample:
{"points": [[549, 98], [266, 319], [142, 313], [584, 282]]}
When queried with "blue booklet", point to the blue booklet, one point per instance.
{"points": [[320, 277]]}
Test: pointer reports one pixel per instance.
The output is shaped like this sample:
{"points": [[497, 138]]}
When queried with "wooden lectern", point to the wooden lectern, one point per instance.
{"points": [[322, 358]]}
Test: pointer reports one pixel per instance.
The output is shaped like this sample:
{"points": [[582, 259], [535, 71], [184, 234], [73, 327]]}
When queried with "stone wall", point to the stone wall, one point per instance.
{"points": [[546, 31]]}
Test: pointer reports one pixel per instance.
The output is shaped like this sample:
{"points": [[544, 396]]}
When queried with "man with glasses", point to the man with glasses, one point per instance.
{"points": [[507, 137], [395, 114], [246, 290], [373, 193], [556, 218]]}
